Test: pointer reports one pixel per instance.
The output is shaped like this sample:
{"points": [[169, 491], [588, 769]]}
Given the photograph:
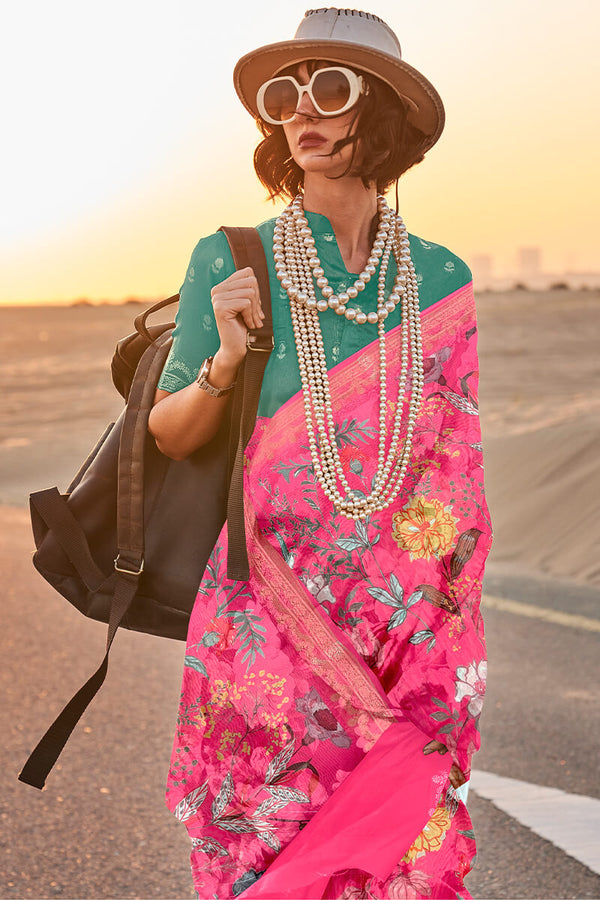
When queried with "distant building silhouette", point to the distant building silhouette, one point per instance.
{"points": [[529, 262], [481, 265], [528, 273]]}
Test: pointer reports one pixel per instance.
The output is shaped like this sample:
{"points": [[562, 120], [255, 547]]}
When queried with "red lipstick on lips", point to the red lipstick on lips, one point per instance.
{"points": [[311, 139]]}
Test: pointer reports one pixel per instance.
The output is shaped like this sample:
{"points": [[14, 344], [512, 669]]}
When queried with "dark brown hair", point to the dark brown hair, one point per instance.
{"points": [[384, 144]]}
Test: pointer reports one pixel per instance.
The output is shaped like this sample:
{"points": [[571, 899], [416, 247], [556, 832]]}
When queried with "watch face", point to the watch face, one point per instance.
{"points": [[205, 368]]}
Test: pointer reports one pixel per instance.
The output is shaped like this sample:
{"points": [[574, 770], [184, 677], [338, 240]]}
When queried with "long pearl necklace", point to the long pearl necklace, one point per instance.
{"points": [[298, 268]]}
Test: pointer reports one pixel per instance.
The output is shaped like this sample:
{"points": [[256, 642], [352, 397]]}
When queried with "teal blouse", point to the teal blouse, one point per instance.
{"points": [[439, 273]]}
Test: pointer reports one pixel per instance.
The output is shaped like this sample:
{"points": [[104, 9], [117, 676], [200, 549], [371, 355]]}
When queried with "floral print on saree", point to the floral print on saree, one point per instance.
{"points": [[344, 629]]}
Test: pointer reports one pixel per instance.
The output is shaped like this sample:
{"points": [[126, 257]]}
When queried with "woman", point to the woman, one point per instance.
{"points": [[316, 694]]}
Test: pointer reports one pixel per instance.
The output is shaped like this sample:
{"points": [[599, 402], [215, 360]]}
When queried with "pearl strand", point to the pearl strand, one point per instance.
{"points": [[296, 265]]}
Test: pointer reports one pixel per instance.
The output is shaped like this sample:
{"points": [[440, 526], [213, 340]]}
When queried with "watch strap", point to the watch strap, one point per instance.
{"points": [[205, 385]]}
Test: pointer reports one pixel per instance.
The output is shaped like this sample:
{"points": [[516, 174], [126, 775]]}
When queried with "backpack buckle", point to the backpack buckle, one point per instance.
{"points": [[132, 571], [254, 341]]}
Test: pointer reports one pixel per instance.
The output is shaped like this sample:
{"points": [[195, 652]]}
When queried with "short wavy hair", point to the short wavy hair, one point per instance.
{"points": [[389, 144]]}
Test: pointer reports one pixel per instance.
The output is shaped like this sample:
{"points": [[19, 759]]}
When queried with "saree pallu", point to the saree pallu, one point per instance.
{"points": [[310, 691]]}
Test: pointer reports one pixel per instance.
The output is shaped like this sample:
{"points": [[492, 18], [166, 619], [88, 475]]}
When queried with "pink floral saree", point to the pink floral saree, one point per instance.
{"points": [[310, 691]]}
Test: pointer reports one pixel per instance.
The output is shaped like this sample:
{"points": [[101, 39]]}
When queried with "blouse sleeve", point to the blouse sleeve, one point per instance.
{"points": [[195, 336]]}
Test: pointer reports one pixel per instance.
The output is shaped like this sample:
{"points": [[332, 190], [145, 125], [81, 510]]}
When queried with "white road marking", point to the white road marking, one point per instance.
{"points": [[569, 821], [555, 616]]}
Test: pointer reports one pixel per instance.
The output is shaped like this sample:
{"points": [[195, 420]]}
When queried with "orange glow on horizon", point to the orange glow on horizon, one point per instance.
{"points": [[115, 173]]}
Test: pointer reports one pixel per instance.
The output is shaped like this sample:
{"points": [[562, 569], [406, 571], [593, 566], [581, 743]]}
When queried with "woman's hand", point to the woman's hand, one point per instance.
{"points": [[236, 304], [457, 778]]}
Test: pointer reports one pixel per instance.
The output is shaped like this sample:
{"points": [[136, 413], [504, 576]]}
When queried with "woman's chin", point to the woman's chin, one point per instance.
{"points": [[319, 163]]}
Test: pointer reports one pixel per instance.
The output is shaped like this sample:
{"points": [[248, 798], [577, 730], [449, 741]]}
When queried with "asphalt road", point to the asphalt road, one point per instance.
{"points": [[101, 830]]}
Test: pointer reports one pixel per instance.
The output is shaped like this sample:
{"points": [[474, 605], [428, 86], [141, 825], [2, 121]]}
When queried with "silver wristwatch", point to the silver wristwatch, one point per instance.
{"points": [[202, 380]]}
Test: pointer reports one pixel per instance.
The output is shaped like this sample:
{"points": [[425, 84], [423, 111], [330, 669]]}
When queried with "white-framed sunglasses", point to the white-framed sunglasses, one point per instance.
{"points": [[332, 91]]}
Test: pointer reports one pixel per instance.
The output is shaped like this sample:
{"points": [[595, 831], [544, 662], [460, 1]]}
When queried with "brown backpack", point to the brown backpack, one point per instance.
{"points": [[113, 543]]}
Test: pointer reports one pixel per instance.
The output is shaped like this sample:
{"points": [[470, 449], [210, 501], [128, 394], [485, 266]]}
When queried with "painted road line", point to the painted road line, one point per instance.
{"points": [[554, 616], [569, 821]]}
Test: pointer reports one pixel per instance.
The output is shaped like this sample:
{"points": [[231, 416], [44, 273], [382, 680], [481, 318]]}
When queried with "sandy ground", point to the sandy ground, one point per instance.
{"points": [[539, 398], [540, 408]]}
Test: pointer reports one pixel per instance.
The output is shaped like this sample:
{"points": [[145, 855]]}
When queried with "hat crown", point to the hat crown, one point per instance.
{"points": [[351, 26]]}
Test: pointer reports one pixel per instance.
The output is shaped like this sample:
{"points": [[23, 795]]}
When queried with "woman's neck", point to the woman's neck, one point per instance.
{"points": [[350, 207]]}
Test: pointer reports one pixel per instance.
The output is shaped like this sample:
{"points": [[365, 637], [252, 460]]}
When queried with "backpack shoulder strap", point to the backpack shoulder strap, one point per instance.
{"points": [[128, 564], [247, 250]]}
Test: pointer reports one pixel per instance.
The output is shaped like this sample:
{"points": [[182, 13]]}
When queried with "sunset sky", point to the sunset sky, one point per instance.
{"points": [[124, 142]]}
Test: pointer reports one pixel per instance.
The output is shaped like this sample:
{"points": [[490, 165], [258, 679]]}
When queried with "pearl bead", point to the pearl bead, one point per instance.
{"points": [[352, 292], [361, 317], [322, 305], [350, 313], [372, 318]]}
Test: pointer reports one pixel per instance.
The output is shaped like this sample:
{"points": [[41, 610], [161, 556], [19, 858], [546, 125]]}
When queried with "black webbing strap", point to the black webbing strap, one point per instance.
{"points": [[42, 759], [130, 556], [130, 493], [52, 508], [247, 250]]}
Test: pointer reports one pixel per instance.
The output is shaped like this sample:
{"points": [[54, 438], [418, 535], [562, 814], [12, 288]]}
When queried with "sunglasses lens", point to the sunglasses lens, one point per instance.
{"points": [[331, 90], [281, 99]]}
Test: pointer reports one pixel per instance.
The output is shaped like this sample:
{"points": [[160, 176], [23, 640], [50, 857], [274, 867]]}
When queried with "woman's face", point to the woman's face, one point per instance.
{"points": [[311, 137]]}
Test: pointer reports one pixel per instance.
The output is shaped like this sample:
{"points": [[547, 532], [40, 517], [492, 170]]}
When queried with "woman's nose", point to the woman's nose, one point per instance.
{"points": [[306, 108]]}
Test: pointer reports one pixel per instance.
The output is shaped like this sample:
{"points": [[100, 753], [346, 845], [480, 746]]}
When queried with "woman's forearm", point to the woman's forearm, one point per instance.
{"points": [[185, 420]]}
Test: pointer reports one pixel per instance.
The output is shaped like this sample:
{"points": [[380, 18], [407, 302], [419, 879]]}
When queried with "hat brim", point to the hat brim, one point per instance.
{"points": [[425, 107]]}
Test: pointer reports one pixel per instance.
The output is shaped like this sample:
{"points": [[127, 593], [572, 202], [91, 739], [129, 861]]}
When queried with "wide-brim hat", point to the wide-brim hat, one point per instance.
{"points": [[357, 39]]}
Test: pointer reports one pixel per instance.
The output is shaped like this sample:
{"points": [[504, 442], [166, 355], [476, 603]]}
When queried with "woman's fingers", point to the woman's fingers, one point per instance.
{"points": [[257, 312], [239, 295]]}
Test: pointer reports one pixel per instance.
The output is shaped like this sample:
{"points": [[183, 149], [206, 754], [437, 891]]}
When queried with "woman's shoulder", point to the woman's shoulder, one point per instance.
{"points": [[439, 271], [435, 259], [211, 253]]}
